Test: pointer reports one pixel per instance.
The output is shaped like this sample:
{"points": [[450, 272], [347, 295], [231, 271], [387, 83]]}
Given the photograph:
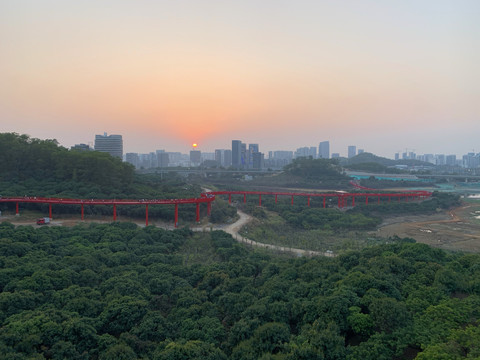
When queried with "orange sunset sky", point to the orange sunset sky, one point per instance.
{"points": [[382, 75]]}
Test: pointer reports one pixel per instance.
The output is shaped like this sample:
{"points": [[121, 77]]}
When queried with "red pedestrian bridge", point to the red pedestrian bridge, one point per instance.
{"points": [[344, 199]]}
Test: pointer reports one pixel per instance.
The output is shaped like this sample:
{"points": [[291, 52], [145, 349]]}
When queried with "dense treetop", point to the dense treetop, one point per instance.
{"points": [[25, 158], [120, 291]]}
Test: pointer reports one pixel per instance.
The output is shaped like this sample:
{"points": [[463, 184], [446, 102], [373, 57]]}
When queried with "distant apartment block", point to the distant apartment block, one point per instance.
{"points": [[112, 144], [195, 157], [236, 154], [352, 151], [223, 157], [81, 147], [132, 158], [324, 150], [163, 159], [227, 158]]}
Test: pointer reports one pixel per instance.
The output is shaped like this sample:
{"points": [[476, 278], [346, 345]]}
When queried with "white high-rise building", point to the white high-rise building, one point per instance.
{"points": [[112, 144]]}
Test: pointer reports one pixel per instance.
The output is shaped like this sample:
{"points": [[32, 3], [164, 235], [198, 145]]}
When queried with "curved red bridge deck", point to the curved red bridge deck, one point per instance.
{"points": [[342, 198]]}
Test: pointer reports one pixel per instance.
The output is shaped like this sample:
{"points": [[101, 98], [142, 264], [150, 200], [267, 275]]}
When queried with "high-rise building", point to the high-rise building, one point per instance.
{"points": [[335, 155], [258, 160], [132, 158], [227, 158], [440, 159], [451, 160], [219, 156], [352, 151], [253, 148], [112, 144], [302, 152], [195, 157], [163, 159], [324, 150], [360, 151], [236, 154]]}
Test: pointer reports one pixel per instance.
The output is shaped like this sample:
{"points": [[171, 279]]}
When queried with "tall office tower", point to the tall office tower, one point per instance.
{"points": [[324, 150], [397, 156], [236, 154], [227, 158], [112, 144], [312, 152], [352, 151]]}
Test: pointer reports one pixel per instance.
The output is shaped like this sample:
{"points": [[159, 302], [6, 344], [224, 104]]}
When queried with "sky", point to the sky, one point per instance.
{"points": [[386, 76]]}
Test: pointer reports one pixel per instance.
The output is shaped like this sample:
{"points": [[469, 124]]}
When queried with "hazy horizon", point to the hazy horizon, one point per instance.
{"points": [[382, 76]]}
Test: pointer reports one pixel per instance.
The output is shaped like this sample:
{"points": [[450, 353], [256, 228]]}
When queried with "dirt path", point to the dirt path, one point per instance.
{"points": [[233, 229]]}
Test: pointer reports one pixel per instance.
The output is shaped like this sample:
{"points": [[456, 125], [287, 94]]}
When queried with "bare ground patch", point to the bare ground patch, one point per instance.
{"points": [[456, 229]]}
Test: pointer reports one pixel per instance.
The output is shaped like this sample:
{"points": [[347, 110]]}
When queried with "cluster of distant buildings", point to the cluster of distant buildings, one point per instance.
{"points": [[246, 157], [470, 160]]}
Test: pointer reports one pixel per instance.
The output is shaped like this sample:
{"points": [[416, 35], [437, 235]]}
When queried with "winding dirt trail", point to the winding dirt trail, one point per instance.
{"points": [[233, 229]]}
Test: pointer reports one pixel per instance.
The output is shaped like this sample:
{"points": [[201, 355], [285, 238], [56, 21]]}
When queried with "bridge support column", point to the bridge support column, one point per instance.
{"points": [[378, 200], [198, 212], [16, 209], [176, 215], [353, 201], [114, 212], [209, 208], [389, 198], [292, 199], [260, 200], [244, 198], [406, 198], [229, 199], [50, 211], [366, 200], [276, 196], [82, 211], [146, 214], [324, 202], [339, 202], [308, 201]]}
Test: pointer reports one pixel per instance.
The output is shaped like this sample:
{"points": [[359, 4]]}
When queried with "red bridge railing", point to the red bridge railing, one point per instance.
{"points": [[343, 199]]}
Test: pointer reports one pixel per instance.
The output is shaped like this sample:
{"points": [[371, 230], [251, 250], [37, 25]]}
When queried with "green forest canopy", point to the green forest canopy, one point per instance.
{"points": [[120, 291]]}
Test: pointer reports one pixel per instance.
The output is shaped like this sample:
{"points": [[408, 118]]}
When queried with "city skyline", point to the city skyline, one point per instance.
{"points": [[385, 77]]}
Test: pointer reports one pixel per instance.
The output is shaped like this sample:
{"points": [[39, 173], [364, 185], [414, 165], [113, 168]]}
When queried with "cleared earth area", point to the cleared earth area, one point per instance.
{"points": [[457, 229]]}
